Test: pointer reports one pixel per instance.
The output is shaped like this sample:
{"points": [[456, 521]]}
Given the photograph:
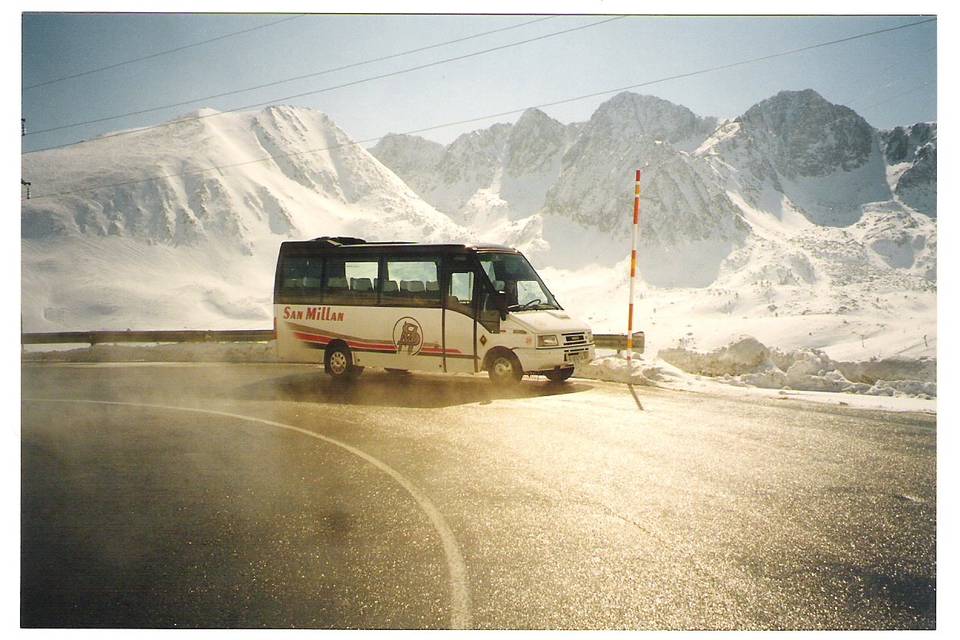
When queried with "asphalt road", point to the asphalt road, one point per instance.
{"points": [[267, 496]]}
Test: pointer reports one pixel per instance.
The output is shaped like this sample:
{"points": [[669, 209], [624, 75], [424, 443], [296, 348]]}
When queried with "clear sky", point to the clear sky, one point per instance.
{"points": [[890, 78]]}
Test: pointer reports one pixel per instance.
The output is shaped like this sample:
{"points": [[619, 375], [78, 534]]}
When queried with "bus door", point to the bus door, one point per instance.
{"points": [[410, 306], [459, 314]]}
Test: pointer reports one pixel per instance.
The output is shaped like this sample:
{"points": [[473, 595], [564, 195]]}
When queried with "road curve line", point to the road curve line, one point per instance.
{"points": [[459, 588]]}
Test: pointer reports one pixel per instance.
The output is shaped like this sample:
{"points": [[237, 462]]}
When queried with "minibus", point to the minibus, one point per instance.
{"points": [[405, 306]]}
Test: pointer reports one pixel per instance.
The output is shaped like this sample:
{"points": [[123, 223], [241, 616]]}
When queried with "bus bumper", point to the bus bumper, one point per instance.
{"points": [[541, 360]]}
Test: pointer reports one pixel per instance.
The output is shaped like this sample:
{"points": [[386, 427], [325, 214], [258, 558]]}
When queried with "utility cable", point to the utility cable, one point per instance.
{"points": [[479, 118], [317, 91], [159, 53], [896, 95], [852, 95], [295, 78]]}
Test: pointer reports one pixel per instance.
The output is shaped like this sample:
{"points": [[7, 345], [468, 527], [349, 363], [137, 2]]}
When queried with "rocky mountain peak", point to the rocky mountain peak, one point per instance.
{"points": [[805, 135], [536, 120], [913, 152], [633, 114], [901, 144], [535, 140], [407, 155]]}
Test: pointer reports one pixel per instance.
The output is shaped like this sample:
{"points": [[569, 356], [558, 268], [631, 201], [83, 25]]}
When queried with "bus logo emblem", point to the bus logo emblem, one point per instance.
{"points": [[408, 333]]}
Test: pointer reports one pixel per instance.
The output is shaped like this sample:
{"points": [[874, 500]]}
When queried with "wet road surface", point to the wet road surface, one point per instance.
{"points": [[267, 496]]}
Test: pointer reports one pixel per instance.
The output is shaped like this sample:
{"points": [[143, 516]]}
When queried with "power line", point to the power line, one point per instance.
{"points": [[159, 53], [899, 63], [897, 95], [324, 89], [484, 117], [294, 78]]}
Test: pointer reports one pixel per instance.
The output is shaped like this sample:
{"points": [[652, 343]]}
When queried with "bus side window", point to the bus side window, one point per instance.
{"points": [[411, 283], [460, 292], [349, 281], [300, 278]]}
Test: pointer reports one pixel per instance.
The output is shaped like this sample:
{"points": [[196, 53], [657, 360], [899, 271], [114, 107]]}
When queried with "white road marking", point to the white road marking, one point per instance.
{"points": [[456, 568]]}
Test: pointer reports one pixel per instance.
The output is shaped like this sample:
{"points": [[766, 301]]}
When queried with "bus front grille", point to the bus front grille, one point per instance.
{"points": [[571, 339]]}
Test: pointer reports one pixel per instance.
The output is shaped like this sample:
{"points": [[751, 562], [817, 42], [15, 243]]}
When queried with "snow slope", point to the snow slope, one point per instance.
{"points": [[862, 292], [199, 249]]}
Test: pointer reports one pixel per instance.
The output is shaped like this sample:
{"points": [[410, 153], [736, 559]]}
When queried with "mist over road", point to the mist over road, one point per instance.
{"points": [[162, 495]]}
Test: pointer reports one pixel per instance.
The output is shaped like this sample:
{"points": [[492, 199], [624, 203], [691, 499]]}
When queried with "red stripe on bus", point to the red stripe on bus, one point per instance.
{"points": [[372, 347], [309, 337], [359, 344], [370, 343], [317, 337]]}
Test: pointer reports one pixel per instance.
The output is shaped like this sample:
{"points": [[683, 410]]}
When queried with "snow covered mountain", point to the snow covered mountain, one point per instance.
{"points": [[632, 131], [199, 245], [563, 192], [799, 152], [688, 224], [517, 163], [794, 154], [540, 164], [318, 181]]}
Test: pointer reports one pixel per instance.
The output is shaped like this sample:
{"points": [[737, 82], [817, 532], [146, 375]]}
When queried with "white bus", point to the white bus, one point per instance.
{"points": [[425, 307]]}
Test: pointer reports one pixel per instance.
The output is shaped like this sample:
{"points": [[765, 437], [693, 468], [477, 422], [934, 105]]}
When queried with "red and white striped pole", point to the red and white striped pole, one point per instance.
{"points": [[633, 269]]}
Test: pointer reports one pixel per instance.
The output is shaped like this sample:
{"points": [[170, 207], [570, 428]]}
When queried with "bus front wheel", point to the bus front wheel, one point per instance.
{"points": [[559, 375], [338, 363], [504, 368]]}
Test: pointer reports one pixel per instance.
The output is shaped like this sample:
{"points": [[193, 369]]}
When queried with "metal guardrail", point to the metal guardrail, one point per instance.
{"points": [[601, 340], [618, 341], [111, 337]]}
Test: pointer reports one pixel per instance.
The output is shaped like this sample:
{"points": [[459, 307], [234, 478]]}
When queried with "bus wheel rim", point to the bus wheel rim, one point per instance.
{"points": [[338, 362]]}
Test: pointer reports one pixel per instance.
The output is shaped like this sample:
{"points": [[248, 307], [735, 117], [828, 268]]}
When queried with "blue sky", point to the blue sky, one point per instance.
{"points": [[890, 79]]}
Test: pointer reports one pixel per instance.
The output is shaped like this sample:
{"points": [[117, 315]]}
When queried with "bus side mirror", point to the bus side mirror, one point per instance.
{"points": [[500, 302]]}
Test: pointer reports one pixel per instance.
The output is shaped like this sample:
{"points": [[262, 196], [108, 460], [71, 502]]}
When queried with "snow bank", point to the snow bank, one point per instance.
{"points": [[747, 362], [614, 368], [745, 354]]}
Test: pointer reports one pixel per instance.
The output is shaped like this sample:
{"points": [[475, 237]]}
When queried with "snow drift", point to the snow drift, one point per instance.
{"points": [[749, 362]]}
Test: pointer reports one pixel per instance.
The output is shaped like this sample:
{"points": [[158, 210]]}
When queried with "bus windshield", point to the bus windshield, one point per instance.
{"points": [[510, 273]]}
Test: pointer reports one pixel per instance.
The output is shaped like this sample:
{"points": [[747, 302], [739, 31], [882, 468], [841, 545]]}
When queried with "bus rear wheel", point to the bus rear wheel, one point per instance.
{"points": [[559, 375], [338, 363], [504, 369]]}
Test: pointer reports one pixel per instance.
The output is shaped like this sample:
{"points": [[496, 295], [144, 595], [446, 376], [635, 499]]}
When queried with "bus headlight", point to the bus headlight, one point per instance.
{"points": [[547, 341]]}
